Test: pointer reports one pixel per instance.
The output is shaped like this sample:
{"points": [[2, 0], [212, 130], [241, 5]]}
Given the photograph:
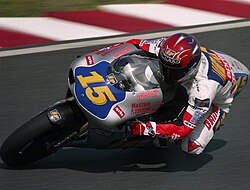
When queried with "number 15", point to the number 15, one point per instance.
{"points": [[103, 92]]}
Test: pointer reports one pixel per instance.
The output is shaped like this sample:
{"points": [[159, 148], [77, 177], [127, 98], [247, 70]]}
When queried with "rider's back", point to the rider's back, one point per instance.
{"points": [[219, 79]]}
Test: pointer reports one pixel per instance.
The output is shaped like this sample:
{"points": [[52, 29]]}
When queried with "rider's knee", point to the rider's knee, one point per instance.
{"points": [[191, 147]]}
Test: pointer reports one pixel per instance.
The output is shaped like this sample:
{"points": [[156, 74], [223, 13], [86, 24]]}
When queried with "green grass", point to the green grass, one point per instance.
{"points": [[29, 8]]}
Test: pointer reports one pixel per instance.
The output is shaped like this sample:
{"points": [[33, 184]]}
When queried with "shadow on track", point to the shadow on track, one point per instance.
{"points": [[100, 161]]}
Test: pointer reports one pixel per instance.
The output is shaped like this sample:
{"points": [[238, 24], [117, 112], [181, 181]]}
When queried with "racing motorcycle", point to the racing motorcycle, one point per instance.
{"points": [[107, 89]]}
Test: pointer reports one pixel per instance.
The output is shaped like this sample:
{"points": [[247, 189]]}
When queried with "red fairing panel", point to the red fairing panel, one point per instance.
{"points": [[139, 43]]}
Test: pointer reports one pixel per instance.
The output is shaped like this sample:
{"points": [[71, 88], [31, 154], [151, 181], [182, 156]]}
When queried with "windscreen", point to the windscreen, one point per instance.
{"points": [[135, 73]]}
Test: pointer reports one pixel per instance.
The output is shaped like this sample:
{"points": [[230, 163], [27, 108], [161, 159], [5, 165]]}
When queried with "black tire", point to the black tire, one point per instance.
{"points": [[28, 143]]}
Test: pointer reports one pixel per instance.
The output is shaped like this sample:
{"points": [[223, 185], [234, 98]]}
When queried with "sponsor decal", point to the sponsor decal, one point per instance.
{"points": [[196, 117], [229, 75], [202, 103], [241, 82], [212, 119], [189, 124], [169, 53], [140, 105], [89, 60], [122, 52], [66, 139], [169, 56], [119, 111], [55, 115], [145, 107], [146, 94], [107, 50], [103, 52], [111, 78], [142, 42], [138, 108], [196, 85]]}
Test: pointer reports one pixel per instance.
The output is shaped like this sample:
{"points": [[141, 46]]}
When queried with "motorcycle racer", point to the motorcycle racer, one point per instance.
{"points": [[210, 79]]}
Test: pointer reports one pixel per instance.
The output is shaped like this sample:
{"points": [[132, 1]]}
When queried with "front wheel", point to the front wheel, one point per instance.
{"points": [[38, 138]]}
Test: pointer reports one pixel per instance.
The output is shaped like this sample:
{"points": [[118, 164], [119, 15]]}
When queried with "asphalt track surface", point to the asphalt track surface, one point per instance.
{"points": [[29, 83]]}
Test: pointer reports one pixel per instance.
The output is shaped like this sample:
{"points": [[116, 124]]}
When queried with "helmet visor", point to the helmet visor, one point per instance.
{"points": [[172, 75]]}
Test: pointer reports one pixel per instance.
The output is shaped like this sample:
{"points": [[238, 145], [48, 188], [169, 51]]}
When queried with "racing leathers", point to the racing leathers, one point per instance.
{"points": [[210, 91]]}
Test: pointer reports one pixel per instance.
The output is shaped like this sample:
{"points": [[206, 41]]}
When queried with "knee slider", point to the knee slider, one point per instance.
{"points": [[191, 147]]}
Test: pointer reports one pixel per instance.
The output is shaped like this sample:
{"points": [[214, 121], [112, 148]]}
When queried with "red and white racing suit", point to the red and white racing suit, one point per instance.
{"points": [[211, 92]]}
